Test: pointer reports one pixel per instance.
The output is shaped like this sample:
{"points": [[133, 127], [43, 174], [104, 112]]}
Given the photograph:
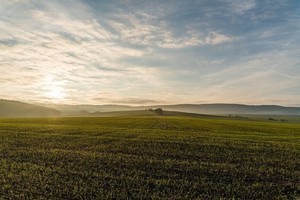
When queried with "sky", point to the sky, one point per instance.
{"points": [[139, 52]]}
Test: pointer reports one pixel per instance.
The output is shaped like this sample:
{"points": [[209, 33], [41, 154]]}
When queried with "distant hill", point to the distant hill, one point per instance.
{"points": [[144, 113], [226, 109], [19, 109], [211, 109], [89, 109]]}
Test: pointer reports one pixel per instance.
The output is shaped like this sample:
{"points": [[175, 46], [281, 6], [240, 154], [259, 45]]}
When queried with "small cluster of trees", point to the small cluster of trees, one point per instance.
{"points": [[272, 119], [158, 111]]}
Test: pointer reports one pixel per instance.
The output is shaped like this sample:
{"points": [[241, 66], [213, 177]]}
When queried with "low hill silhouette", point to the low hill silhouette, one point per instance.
{"points": [[210, 109], [14, 109], [226, 109], [18, 109]]}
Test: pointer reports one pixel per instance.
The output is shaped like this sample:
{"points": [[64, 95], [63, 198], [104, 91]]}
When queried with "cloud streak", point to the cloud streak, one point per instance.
{"points": [[149, 52]]}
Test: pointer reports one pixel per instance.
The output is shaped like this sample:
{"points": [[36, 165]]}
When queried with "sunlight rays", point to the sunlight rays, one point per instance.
{"points": [[54, 89]]}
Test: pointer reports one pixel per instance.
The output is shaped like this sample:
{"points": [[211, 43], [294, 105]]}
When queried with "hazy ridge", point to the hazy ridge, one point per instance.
{"points": [[234, 109], [10, 108], [213, 109]]}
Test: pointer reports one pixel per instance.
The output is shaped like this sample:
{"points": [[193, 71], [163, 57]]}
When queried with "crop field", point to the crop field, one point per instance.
{"points": [[149, 157]]}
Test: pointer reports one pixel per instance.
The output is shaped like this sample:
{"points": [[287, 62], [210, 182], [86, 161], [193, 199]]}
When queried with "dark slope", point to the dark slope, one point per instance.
{"points": [[19, 109], [211, 109], [234, 109], [88, 109]]}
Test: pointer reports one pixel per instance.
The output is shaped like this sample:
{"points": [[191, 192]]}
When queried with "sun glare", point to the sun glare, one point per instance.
{"points": [[54, 89], [55, 93]]}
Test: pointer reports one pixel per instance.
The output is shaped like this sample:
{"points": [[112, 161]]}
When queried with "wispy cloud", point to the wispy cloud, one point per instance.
{"points": [[150, 52], [146, 29], [128, 101], [242, 6]]}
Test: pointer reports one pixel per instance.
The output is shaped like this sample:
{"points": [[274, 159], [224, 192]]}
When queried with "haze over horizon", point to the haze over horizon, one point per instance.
{"points": [[150, 52]]}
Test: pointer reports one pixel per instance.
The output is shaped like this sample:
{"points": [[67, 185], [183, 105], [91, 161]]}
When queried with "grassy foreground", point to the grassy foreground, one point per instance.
{"points": [[148, 157]]}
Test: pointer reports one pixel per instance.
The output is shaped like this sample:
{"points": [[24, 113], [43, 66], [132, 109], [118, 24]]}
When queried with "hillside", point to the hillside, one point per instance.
{"points": [[19, 109], [226, 109], [141, 113], [211, 109], [88, 109]]}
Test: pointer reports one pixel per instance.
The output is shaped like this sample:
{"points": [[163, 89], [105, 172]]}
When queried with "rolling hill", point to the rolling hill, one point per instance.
{"points": [[226, 109], [19, 109], [211, 109]]}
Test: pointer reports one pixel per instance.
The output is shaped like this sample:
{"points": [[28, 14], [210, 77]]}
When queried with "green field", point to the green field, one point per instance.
{"points": [[149, 157]]}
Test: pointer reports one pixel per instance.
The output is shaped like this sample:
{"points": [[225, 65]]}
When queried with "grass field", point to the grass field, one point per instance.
{"points": [[149, 157]]}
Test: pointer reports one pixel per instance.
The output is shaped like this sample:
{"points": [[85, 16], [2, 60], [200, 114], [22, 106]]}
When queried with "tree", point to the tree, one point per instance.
{"points": [[159, 111]]}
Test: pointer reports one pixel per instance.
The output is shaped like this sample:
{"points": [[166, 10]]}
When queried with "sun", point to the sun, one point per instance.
{"points": [[53, 88], [55, 93]]}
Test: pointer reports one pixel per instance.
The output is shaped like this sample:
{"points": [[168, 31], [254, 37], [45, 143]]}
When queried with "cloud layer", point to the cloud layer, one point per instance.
{"points": [[150, 52]]}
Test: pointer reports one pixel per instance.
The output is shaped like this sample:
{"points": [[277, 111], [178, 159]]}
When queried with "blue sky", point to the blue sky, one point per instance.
{"points": [[139, 52]]}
